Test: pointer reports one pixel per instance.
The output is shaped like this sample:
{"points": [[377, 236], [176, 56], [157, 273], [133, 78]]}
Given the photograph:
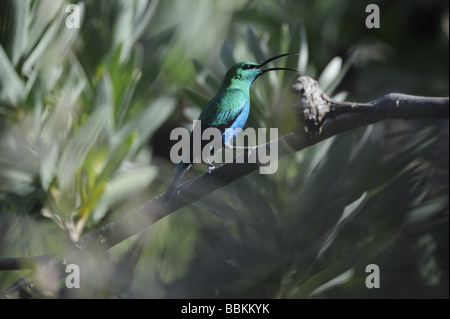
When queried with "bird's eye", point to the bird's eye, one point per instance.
{"points": [[247, 66]]}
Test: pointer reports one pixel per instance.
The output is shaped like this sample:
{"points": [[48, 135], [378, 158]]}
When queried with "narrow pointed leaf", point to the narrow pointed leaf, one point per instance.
{"points": [[348, 213], [330, 73], [226, 54], [11, 86]]}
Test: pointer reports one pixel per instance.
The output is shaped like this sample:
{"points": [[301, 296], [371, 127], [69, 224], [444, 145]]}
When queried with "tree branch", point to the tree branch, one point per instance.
{"points": [[316, 107], [319, 118]]}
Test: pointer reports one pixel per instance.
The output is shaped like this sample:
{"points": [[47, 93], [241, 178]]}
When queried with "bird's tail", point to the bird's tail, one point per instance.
{"points": [[179, 171]]}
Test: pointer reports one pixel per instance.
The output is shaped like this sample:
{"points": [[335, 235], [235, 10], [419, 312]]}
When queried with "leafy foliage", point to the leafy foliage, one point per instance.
{"points": [[84, 121], [75, 116]]}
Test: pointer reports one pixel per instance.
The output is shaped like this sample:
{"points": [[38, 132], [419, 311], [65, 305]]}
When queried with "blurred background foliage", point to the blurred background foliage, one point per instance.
{"points": [[85, 120]]}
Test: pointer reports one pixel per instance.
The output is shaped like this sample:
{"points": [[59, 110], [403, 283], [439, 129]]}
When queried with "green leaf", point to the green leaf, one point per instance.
{"points": [[132, 23], [304, 50], [11, 86], [226, 54], [330, 73], [20, 33], [320, 153], [123, 186], [191, 112], [132, 69], [427, 210], [41, 15], [41, 48], [348, 213], [48, 166], [254, 44], [339, 273], [341, 75], [198, 99], [285, 38], [146, 122], [338, 280], [115, 159]]}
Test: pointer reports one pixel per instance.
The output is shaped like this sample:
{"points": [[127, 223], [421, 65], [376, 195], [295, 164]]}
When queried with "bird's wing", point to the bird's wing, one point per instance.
{"points": [[223, 109]]}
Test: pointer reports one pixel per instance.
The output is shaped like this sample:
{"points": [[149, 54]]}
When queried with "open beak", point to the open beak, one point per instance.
{"points": [[274, 58]]}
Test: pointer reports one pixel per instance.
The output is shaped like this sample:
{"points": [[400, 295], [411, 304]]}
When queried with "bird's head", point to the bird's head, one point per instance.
{"points": [[245, 73]]}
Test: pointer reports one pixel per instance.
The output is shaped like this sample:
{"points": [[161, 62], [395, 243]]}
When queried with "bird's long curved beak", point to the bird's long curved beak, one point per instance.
{"points": [[274, 58]]}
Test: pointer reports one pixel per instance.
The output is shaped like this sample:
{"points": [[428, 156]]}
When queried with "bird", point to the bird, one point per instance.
{"points": [[228, 110]]}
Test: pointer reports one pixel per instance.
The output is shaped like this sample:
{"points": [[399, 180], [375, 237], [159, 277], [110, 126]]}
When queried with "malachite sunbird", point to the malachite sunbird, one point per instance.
{"points": [[229, 109]]}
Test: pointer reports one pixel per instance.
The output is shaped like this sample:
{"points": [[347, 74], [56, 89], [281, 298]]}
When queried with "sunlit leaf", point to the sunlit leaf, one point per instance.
{"points": [[42, 46], [255, 45], [41, 15], [341, 96], [303, 55], [338, 280], [20, 29], [191, 113], [115, 159], [342, 73], [148, 120], [285, 38], [330, 73], [48, 166]]}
